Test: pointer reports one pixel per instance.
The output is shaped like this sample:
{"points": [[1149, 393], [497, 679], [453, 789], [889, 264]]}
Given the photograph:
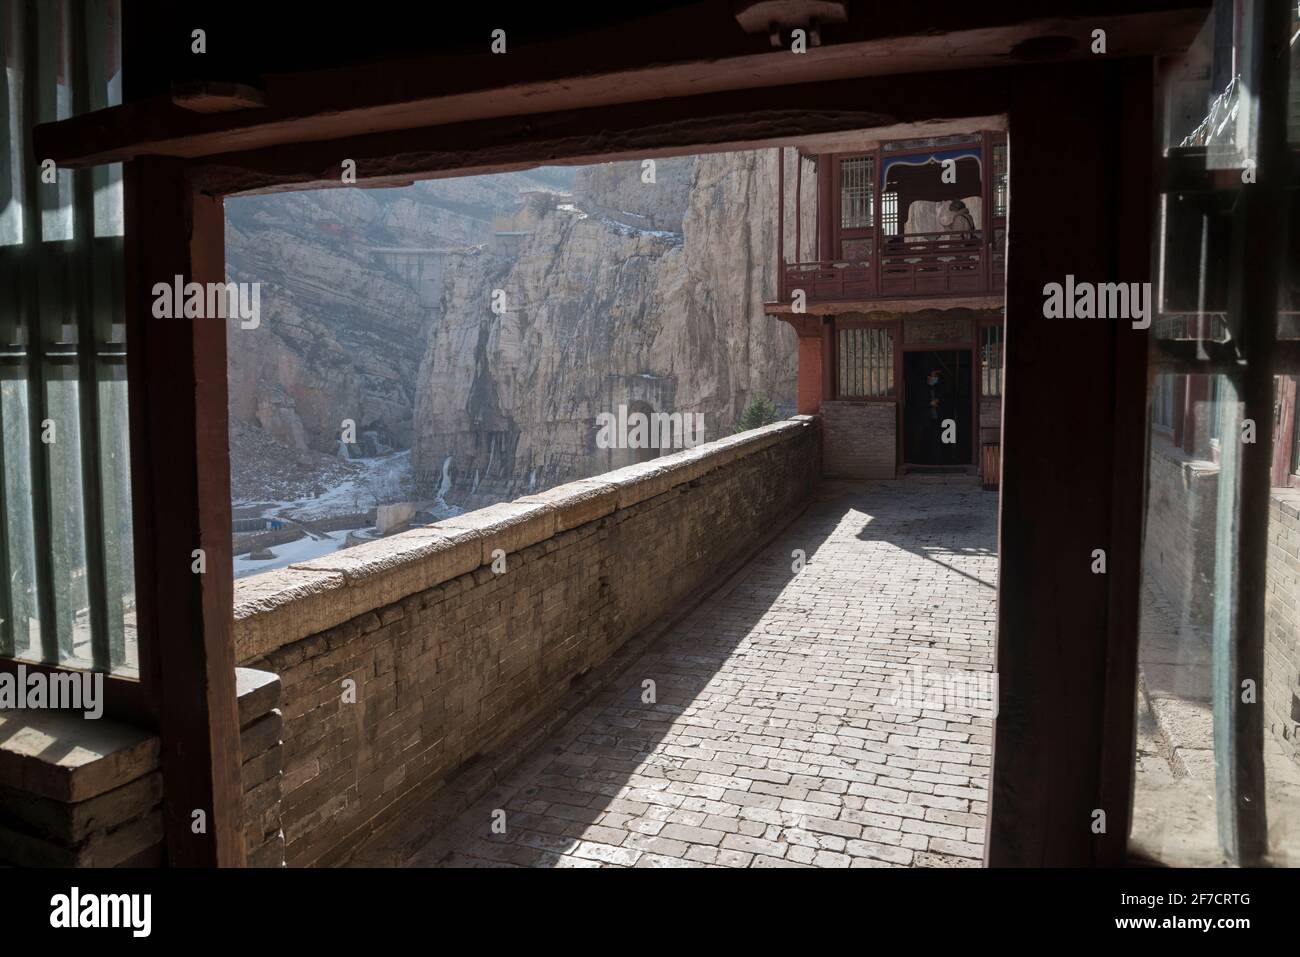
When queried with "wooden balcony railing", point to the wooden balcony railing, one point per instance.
{"points": [[922, 265]]}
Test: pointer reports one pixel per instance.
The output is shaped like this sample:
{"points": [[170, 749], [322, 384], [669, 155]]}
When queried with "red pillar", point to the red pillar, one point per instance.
{"points": [[812, 382]]}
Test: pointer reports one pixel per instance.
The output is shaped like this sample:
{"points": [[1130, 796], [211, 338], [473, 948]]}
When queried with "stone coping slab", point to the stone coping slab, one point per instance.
{"points": [[279, 607], [257, 692], [67, 757]]}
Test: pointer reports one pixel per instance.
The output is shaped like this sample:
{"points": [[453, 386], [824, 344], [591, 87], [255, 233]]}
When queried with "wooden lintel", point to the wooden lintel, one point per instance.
{"points": [[339, 103]]}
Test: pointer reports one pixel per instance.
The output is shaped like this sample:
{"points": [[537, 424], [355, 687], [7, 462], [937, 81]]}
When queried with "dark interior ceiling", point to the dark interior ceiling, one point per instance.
{"points": [[248, 39]]}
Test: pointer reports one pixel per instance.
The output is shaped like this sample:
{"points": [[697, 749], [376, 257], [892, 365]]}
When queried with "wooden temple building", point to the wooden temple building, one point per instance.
{"points": [[897, 298]]}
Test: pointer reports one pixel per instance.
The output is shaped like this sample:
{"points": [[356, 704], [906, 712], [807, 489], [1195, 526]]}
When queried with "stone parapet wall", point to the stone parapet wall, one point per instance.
{"points": [[405, 660]]}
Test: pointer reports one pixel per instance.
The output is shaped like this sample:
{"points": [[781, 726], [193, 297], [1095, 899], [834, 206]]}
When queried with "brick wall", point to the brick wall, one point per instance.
{"points": [[1179, 561], [449, 659], [860, 439], [260, 727]]}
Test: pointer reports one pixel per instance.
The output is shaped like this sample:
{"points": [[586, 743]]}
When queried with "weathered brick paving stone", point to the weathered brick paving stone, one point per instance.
{"points": [[777, 737]]}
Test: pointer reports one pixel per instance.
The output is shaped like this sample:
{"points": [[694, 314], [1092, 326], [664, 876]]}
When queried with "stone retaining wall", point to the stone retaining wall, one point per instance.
{"points": [[404, 660]]}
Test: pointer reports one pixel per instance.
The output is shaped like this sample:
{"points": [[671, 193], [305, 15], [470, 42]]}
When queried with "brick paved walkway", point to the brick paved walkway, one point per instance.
{"points": [[777, 737]]}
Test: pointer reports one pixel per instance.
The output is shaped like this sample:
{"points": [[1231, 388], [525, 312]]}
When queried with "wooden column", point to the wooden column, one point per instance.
{"points": [[812, 373], [986, 212], [1133, 203], [798, 206], [828, 360], [825, 206], [181, 501], [1073, 456], [1285, 430]]}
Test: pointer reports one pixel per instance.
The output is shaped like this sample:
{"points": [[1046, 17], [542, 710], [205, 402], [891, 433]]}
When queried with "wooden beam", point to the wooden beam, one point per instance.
{"points": [[672, 56], [180, 474]]}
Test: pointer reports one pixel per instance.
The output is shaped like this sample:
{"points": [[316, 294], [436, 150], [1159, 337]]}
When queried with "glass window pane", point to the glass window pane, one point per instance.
{"points": [[1001, 180], [61, 437], [119, 544], [991, 361], [20, 636], [1218, 767], [866, 363], [66, 549]]}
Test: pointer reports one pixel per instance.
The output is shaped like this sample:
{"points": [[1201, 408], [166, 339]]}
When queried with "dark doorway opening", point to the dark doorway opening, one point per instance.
{"points": [[937, 388]]}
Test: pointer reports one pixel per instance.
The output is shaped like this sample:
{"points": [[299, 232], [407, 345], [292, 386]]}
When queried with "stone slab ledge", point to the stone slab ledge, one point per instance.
{"points": [[66, 757], [279, 607]]}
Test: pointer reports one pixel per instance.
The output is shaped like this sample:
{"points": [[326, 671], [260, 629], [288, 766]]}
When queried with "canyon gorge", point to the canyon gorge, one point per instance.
{"points": [[471, 330]]}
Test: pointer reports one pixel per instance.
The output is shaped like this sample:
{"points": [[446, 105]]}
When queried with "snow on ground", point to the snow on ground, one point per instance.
{"points": [[375, 481], [625, 229], [380, 480], [302, 550]]}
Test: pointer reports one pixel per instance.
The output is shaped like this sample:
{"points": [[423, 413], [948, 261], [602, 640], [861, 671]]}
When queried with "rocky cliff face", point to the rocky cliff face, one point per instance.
{"points": [[377, 306], [343, 326], [643, 295]]}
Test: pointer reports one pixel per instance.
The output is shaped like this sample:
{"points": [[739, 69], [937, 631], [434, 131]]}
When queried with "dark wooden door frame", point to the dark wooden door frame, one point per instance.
{"points": [[1066, 642], [1056, 621], [958, 345]]}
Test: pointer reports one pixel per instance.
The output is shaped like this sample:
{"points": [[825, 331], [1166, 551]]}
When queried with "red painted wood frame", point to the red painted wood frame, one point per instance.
{"points": [[872, 232], [989, 322]]}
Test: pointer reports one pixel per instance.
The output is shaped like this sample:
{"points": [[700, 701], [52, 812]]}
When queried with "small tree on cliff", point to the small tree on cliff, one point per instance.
{"points": [[760, 412]]}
